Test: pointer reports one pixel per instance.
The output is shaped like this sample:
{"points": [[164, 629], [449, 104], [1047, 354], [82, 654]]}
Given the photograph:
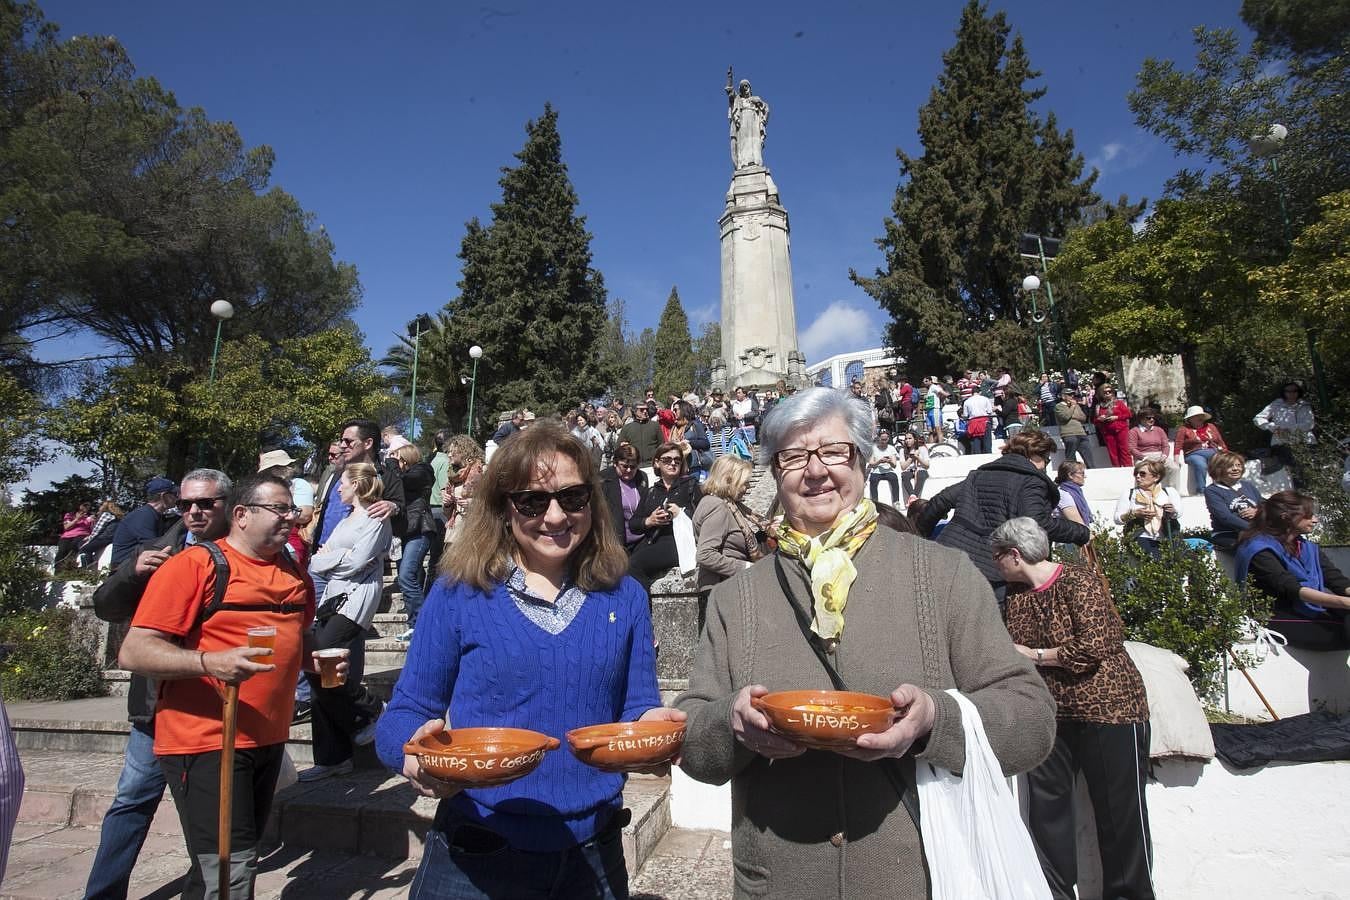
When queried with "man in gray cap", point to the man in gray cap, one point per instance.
{"points": [[148, 521]]}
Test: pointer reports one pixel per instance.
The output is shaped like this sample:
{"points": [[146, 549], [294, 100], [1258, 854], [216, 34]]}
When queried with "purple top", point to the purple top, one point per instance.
{"points": [[628, 497]]}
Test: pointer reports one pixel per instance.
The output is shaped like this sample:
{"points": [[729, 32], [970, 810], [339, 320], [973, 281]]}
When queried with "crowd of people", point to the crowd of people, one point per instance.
{"points": [[525, 567]]}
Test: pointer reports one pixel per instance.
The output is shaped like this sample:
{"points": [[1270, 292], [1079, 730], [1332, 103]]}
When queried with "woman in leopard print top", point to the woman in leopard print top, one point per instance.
{"points": [[1064, 621]]}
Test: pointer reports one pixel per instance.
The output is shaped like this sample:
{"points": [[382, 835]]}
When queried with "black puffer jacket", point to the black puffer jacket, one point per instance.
{"points": [[1004, 489], [417, 481]]}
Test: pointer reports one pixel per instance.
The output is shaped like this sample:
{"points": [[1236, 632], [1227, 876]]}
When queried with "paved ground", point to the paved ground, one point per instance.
{"points": [[48, 862]]}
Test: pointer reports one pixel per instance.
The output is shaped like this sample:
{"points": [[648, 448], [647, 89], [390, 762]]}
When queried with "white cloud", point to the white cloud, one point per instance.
{"points": [[700, 315], [840, 328], [1112, 150]]}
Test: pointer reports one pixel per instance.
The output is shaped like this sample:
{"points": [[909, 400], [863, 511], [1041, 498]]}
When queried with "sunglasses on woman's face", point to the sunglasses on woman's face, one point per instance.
{"points": [[535, 503]]}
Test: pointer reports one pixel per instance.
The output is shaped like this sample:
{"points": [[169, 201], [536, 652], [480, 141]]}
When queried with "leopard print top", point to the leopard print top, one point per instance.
{"points": [[1096, 680]]}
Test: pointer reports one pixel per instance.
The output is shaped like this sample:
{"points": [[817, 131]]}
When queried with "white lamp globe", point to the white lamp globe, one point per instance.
{"points": [[1031, 283], [222, 309], [475, 351]]}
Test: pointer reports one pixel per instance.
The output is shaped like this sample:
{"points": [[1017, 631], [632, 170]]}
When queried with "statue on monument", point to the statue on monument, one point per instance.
{"points": [[749, 117]]}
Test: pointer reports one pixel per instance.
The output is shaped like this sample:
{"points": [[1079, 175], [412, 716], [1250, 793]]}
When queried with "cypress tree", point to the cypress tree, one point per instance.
{"points": [[991, 170], [673, 351], [528, 294]]}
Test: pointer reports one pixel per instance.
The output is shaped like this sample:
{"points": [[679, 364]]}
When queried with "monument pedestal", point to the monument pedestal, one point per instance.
{"points": [[759, 321]]}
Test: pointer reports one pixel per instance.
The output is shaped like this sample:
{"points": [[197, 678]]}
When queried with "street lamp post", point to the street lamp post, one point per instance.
{"points": [[1267, 146], [1031, 284], [412, 400], [475, 353], [222, 310]]}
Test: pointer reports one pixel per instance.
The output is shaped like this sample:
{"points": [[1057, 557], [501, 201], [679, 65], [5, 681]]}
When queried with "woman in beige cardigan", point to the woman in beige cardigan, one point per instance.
{"points": [[729, 535], [920, 619]]}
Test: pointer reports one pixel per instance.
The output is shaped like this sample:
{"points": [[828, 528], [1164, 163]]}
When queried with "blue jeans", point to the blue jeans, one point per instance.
{"points": [[127, 822], [594, 870], [412, 576], [1077, 445], [1198, 460]]}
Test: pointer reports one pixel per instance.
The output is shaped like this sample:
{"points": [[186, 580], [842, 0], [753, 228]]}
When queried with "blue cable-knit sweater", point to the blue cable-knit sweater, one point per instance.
{"points": [[478, 656]]}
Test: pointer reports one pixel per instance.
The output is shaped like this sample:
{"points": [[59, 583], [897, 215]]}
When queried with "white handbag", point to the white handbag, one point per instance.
{"points": [[684, 543], [973, 837]]}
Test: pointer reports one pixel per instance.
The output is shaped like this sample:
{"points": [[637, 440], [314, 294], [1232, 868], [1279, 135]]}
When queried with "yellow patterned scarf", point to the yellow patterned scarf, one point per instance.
{"points": [[828, 557]]}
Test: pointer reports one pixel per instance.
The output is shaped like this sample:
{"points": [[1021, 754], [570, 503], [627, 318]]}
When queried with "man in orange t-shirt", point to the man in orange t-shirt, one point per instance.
{"points": [[193, 658]]}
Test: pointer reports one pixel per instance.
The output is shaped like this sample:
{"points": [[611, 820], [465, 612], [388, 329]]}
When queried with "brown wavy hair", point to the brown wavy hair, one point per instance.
{"points": [[484, 546], [1029, 443], [1276, 517]]}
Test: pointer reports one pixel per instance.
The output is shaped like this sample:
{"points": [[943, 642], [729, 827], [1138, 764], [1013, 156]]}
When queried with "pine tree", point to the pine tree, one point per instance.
{"points": [[527, 295], [991, 170], [673, 351]]}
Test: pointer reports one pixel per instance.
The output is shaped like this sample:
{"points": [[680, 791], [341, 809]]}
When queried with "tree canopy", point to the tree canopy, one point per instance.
{"points": [[528, 296], [126, 215], [991, 170], [673, 350]]}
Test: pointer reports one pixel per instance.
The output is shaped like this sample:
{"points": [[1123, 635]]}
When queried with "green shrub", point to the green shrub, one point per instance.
{"points": [[53, 656], [22, 573], [1323, 467], [1182, 602]]}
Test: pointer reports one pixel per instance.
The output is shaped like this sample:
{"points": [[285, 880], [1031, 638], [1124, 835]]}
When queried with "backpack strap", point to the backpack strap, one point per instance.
{"points": [[222, 580]]}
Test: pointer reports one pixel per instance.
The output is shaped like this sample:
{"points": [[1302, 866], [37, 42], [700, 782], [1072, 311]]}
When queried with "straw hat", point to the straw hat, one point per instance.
{"points": [[1193, 411]]}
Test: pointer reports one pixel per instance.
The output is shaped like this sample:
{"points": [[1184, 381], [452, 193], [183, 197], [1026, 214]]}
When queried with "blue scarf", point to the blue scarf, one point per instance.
{"points": [[1076, 492], [1306, 567]]}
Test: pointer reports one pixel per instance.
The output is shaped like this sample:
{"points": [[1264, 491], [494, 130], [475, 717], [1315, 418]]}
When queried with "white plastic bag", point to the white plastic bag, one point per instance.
{"points": [[973, 837], [684, 543]]}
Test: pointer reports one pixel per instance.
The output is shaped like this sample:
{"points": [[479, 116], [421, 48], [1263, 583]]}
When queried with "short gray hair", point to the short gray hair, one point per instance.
{"points": [[1023, 535], [220, 478], [805, 408], [716, 419]]}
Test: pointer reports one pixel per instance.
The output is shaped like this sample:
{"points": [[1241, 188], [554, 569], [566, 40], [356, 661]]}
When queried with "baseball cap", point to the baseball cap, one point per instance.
{"points": [[274, 458], [159, 485]]}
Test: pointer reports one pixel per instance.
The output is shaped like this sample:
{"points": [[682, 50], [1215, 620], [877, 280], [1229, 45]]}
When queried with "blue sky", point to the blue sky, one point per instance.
{"points": [[390, 122]]}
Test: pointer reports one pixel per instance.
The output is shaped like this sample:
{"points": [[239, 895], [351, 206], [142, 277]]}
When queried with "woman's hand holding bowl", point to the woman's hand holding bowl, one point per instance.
{"points": [[662, 714], [914, 720], [751, 727], [423, 782]]}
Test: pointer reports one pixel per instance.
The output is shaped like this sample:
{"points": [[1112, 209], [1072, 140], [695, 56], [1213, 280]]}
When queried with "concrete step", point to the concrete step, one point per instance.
{"points": [[369, 812]]}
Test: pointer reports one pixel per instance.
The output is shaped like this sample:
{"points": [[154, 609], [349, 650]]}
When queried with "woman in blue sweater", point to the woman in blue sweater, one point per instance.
{"points": [[533, 625]]}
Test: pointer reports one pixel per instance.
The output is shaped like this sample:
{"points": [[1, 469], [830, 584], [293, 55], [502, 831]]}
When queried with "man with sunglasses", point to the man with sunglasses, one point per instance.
{"points": [[201, 500], [644, 433]]}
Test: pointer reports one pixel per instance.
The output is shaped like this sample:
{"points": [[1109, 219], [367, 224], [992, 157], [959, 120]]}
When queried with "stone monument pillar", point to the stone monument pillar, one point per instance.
{"points": [[759, 321]]}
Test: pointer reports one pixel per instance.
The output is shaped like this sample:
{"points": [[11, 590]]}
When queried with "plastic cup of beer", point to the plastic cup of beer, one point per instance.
{"points": [[263, 636], [329, 676]]}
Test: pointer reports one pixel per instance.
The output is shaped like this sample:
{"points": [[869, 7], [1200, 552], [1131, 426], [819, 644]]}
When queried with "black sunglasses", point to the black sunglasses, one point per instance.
{"points": [[535, 503], [202, 503]]}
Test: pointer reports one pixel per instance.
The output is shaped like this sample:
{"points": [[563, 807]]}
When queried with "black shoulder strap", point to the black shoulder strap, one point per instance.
{"points": [[222, 580]]}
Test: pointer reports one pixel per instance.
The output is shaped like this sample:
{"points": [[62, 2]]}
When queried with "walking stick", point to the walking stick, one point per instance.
{"points": [[1252, 681], [229, 721]]}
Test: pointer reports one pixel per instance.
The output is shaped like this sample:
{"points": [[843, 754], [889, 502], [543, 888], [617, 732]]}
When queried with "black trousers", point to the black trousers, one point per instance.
{"points": [[877, 478], [340, 712], [194, 782], [652, 559], [1329, 631], [1114, 762]]}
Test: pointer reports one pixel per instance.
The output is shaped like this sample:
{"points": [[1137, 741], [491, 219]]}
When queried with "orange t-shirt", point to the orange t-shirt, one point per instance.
{"points": [[188, 712]]}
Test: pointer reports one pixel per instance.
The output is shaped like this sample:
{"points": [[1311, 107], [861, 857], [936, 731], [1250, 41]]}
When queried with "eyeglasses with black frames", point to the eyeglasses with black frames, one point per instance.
{"points": [[280, 510], [535, 503], [205, 504], [838, 453]]}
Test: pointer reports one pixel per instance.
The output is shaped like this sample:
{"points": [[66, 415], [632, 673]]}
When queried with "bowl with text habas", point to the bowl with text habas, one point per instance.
{"points": [[826, 720], [481, 757], [626, 746]]}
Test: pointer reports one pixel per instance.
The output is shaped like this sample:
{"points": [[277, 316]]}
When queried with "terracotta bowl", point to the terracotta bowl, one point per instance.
{"points": [[481, 757], [626, 746], [825, 719]]}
